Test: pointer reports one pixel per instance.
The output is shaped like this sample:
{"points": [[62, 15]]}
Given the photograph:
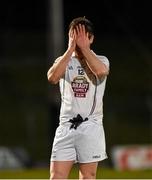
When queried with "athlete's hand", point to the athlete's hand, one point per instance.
{"points": [[72, 40], [82, 39]]}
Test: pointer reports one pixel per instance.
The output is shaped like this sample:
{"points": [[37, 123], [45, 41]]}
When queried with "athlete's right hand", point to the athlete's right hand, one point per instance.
{"points": [[72, 40]]}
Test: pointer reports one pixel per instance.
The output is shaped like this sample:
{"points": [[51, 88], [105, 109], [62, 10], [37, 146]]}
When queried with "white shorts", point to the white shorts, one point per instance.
{"points": [[84, 144]]}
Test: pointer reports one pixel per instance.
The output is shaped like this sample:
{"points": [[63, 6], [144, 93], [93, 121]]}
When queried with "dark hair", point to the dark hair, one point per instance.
{"points": [[82, 20]]}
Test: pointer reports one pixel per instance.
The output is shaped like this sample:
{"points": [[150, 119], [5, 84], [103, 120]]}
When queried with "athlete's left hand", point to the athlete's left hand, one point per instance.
{"points": [[82, 38]]}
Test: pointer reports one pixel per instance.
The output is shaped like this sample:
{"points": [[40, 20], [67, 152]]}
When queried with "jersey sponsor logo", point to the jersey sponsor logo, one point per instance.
{"points": [[80, 86]]}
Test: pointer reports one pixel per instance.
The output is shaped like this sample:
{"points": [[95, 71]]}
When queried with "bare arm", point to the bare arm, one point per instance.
{"points": [[59, 67], [95, 65]]}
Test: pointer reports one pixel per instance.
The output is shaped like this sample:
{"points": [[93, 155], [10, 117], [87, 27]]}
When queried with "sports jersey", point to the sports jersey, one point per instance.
{"points": [[79, 95]]}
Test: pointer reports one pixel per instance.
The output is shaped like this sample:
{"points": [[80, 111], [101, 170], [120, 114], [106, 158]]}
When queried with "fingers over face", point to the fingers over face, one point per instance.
{"points": [[83, 29], [77, 29], [80, 29], [72, 33]]}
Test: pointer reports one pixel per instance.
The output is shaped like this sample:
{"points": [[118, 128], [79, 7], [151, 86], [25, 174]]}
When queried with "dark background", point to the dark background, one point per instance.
{"points": [[29, 105]]}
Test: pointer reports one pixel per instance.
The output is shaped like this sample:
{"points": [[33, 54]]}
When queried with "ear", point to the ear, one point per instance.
{"points": [[91, 39]]}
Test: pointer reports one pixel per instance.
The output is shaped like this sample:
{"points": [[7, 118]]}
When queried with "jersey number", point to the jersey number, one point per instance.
{"points": [[80, 72]]}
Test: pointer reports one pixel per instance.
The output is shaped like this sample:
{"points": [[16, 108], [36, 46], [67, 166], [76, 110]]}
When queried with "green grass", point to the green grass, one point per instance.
{"points": [[102, 173]]}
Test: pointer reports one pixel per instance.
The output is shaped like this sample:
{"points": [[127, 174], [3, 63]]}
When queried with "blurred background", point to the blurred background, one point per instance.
{"points": [[32, 34]]}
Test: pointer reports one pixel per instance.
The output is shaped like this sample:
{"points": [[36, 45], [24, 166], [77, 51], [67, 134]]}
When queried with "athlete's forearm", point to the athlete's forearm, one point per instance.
{"points": [[95, 65], [58, 69]]}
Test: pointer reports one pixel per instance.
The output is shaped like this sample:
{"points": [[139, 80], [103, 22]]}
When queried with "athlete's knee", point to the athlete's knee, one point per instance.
{"points": [[88, 175], [57, 175]]}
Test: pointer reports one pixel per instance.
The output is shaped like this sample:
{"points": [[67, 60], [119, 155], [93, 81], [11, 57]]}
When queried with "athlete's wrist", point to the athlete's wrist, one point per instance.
{"points": [[85, 50]]}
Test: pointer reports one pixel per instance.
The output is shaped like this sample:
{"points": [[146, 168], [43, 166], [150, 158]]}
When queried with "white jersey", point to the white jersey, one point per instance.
{"points": [[79, 95]]}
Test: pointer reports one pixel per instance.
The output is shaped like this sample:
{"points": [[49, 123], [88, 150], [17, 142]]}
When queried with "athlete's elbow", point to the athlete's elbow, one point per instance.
{"points": [[52, 79], [101, 73]]}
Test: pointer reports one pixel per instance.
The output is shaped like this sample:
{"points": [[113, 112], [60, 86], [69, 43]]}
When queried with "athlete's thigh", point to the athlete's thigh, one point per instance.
{"points": [[60, 169], [88, 170]]}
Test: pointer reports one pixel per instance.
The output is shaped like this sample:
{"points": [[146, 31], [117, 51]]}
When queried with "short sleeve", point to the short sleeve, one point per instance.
{"points": [[105, 60]]}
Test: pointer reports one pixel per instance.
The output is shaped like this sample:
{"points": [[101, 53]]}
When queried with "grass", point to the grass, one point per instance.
{"points": [[102, 173]]}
